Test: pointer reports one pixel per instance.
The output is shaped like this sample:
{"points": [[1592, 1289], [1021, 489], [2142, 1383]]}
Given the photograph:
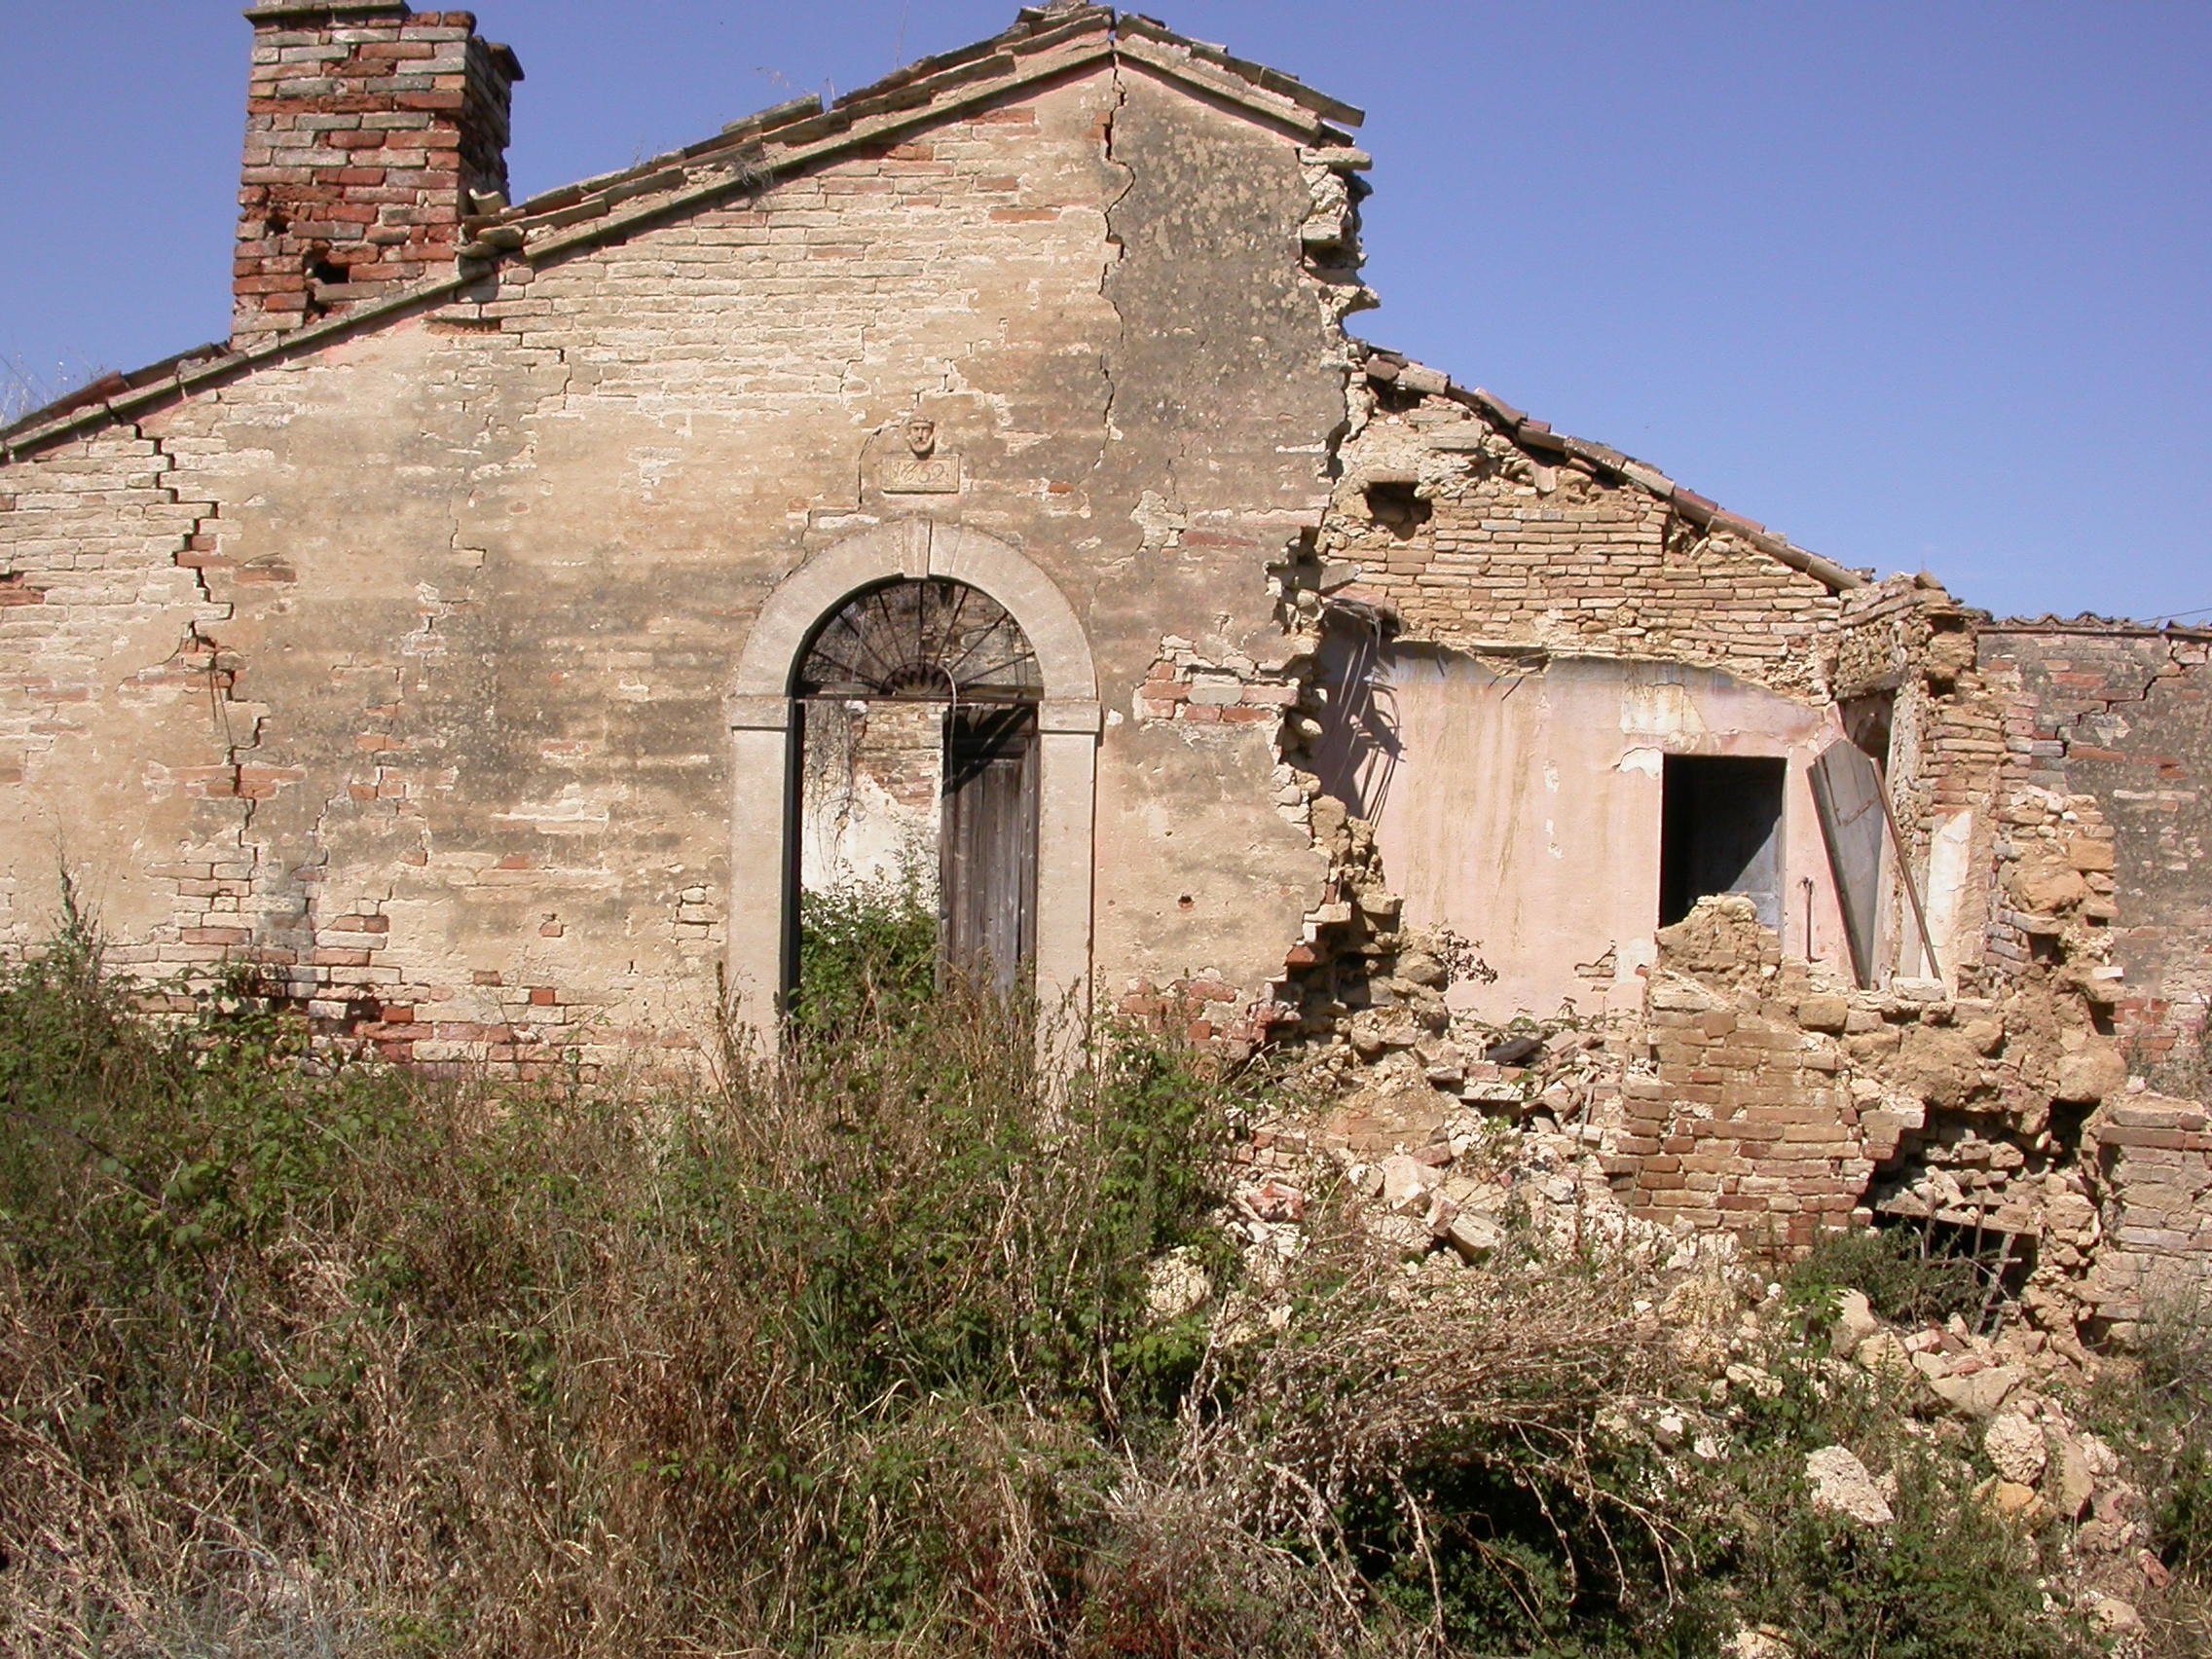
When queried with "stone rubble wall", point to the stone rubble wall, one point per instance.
{"points": [[2151, 1172], [1767, 1103], [1756, 1104], [2119, 718], [1745, 1118]]}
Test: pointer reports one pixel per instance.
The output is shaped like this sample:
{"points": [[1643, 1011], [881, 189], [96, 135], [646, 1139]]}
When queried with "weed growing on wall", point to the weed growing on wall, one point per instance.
{"points": [[25, 388]]}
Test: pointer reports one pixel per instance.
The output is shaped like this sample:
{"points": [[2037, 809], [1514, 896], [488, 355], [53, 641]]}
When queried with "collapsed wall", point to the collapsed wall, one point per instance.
{"points": [[1456, 720], [1935, 1048]]}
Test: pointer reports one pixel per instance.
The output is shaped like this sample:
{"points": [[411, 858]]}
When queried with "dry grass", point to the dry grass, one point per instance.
{"points": [[849, 1355]]}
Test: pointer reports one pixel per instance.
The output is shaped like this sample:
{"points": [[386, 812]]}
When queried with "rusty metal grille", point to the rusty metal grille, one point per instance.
{"points": [[935, 640]]}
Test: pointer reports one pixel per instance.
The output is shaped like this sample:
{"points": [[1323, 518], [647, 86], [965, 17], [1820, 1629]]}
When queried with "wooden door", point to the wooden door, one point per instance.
{"points": [[1847, 794], [987, 843]]}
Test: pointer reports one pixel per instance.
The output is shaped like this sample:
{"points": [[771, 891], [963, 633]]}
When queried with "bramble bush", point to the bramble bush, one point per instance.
{"points": [[867, 952]]}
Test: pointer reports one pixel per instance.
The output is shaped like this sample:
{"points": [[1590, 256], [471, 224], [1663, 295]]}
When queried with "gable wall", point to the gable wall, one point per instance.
{"points": [[473, 584]]}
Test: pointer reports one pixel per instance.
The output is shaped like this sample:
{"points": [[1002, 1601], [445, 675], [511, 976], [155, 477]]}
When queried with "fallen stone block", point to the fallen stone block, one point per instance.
{"points": [[2015, 1446], [1978, 1393], [1844, 1486]]}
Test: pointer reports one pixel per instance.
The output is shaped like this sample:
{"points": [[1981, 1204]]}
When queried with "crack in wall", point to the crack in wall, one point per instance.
{"points": [[1112, 263], [202, 538], [2068, 731]]}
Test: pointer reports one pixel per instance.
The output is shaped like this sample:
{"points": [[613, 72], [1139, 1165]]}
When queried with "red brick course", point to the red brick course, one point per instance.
{"points": [[364, 137]]}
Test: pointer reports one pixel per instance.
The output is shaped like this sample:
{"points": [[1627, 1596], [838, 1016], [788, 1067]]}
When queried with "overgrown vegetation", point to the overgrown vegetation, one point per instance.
{"points": [[25, 389], [2159, 1414], [861, 1352], [867, 952], [1907, 1276], [1946, 1579]]}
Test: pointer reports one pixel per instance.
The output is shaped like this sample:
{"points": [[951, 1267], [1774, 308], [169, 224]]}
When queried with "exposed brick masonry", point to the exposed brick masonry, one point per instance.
{"points": [[2124, 716], [366, 127], [1476, 540]]}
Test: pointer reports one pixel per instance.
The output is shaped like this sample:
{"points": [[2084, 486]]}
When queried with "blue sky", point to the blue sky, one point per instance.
{"points": [[1921, 284]]}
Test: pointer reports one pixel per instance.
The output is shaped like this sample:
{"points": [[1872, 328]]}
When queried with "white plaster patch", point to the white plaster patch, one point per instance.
{"points": [[1160, 520], [1660, 711], [1637, 955], [652, 467], [1649, 762], [576, 811], [1948, 881]]}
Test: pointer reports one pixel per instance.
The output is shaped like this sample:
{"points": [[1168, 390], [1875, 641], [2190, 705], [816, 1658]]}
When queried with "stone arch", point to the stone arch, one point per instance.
{"points": [[763, 832], [917, 548]]}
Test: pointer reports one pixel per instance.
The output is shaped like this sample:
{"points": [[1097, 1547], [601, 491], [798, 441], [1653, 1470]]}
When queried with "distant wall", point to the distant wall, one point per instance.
{"points": [[2126, 716]]}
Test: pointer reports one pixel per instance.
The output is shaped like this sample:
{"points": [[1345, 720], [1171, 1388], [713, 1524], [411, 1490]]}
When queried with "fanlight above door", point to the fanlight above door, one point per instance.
{"points": [[934, 640]]}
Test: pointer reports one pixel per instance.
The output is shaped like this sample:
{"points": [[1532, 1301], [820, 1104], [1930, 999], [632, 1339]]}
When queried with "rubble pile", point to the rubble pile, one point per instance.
{"points": [[2016, 1397], [1442, 1154], [1441, 1184]]}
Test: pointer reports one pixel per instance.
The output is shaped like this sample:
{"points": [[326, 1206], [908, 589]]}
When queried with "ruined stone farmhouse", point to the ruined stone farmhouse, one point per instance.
{"points": [[973, 485]]}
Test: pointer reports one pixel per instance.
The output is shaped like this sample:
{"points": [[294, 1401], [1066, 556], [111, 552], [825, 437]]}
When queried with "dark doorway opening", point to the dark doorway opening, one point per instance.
{"points": [[1720, 832]]}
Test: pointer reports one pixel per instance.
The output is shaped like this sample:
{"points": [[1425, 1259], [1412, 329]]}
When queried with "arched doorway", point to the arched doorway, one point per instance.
{"points": [[767, 717], [916, 737]]}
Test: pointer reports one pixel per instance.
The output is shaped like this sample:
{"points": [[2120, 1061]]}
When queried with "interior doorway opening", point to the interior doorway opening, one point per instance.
{"points": [[916, 792], [1720, 832]]}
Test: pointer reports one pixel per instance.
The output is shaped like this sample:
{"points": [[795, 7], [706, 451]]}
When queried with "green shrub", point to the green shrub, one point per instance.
{"points": [[831, 1349], [1946, 1581], [867, 952], [1947, 1578], [1904, 1274]]}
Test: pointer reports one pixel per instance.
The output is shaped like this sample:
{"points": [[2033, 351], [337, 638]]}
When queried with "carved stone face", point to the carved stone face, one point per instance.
{"points": [[921, 435]]}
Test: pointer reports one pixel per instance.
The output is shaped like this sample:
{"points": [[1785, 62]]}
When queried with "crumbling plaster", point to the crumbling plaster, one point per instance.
{"points": [[1524, 814]]}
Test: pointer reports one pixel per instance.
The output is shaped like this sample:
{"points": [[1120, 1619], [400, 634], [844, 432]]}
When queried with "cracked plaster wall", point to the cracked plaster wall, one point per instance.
{"points": [[1521, 811], [1523, 634]]}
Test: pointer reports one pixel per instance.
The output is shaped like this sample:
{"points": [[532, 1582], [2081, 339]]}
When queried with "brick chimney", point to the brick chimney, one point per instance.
{"points": [[368, 127]]}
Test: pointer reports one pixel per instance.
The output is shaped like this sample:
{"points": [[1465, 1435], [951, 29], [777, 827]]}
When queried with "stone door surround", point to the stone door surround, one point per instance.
{"points": [[761, 725]]}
